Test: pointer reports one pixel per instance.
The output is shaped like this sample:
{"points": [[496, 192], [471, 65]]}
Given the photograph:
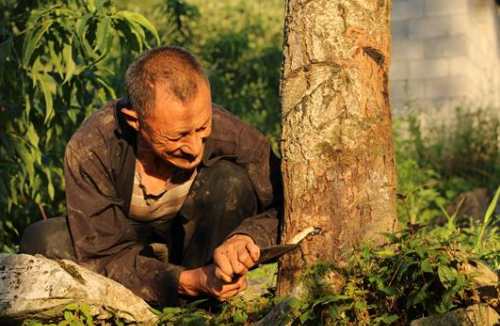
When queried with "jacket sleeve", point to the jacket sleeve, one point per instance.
{"points": [[103, 238]]}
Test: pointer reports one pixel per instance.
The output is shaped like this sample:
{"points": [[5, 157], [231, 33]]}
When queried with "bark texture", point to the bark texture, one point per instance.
{"points": [[337, 148]]}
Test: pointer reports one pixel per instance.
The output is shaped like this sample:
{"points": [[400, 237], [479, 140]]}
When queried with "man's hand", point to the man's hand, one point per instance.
{"points": [[203, 281], [235, 257]]}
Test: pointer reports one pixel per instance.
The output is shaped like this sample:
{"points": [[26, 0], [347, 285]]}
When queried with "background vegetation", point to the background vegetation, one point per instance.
{"points": [[62, 60]]}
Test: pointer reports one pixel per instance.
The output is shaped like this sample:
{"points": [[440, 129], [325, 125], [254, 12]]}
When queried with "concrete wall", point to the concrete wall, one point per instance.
{"points": [[445, 53]]}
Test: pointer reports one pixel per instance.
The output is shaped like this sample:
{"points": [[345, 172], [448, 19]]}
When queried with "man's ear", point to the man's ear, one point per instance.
{"points": [[131, 117]]}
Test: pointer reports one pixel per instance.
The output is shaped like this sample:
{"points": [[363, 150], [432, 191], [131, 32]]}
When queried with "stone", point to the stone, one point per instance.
{"points": [[476, 315], [479, 273], [34, 287], [470, 204]]}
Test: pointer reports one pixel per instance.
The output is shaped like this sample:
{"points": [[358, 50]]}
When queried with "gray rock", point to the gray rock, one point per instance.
{"points": [[34, 287], [476, 315], [470, 204], [478, 273]]}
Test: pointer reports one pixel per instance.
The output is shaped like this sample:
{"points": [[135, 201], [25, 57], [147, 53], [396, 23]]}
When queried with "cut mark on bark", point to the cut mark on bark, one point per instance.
{"points": [[308, 67], [71, 271], [375, 55]]}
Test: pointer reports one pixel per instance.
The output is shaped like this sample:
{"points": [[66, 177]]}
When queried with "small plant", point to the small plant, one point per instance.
{"points": [[487, 221], [73, 315]]}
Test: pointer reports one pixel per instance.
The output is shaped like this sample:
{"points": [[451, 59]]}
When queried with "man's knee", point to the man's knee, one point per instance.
{"points": [[228, 182], [50, 238], [220, 199]]}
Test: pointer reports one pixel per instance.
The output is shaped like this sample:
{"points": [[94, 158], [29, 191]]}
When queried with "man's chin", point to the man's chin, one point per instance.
{"points": [[184, 164]]}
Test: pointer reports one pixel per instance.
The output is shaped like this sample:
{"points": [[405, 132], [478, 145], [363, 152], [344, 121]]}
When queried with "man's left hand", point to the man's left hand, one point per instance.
{"points": [[235, 257]]}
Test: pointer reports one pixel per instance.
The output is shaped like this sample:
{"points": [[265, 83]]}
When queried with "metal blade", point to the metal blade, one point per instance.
{"points": [[269, 253]]}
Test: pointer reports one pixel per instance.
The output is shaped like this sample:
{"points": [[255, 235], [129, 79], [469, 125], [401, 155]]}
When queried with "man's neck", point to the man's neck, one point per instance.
{"points": [[152, 165]]}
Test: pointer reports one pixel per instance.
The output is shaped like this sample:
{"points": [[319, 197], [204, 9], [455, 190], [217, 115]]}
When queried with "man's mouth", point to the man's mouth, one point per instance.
{"points": [[186, 157]]}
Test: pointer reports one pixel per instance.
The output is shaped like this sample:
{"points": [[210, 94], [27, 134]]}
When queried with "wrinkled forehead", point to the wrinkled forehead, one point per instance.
{"points": [[171, 113]]}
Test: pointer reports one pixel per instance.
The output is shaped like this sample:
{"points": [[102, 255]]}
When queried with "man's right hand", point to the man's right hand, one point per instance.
{"points": [[202, 281]]}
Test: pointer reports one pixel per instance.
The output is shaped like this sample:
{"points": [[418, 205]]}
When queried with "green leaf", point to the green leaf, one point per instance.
{"points": [[305, 317], [11, 227], [81, 28], [334, 311], [27, 105], [385, 253], [426, 266], [118, 322], [44, 82], [331, 299], [110, 91], [407, 264], [491, 207], [141, 20], [55, 59], [103, 34], [294, 303], [32, 136], [447, 275], [391, 319], [389, 290], [155, 311], [90, 4], [68, 59], [68, 315], [361, 305], [50, 187], [138, 33], [240, 317], [132, 39], [27, 159], [71, 306], [32, 41]]}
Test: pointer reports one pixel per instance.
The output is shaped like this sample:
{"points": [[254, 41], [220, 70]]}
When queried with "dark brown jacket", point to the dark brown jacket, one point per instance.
{"points": [[99, 172]]}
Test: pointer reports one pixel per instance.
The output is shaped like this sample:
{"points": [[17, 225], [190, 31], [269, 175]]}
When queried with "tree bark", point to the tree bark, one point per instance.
{"points": [[337, 148]]}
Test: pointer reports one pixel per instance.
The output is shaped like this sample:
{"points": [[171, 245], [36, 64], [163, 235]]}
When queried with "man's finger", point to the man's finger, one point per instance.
{"points": [[229, 293], [223, 268], [244, 258], [242, 282], [234, 288], [222, 276], [254, 250], [237, 266]]}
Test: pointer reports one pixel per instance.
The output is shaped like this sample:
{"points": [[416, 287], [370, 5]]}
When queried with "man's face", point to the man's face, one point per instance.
{"points": [[177, 131]]}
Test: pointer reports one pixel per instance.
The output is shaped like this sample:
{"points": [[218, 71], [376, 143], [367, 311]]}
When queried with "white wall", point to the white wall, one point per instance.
{"points": [[445, 53]]}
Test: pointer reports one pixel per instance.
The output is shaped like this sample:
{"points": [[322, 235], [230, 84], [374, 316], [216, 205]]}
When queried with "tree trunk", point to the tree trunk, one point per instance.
{"points": [[338, 158]]}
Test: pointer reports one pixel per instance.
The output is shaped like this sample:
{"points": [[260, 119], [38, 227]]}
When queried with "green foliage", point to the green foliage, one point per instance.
{"points": [[487, 221], [437, 160], [77, 315], [53, 74]]}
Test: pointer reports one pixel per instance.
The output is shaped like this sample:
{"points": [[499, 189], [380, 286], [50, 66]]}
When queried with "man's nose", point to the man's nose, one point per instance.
{"points": [[193, 144]]}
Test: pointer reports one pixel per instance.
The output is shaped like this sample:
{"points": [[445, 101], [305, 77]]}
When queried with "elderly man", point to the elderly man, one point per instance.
{"points": [[167, 193]]}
